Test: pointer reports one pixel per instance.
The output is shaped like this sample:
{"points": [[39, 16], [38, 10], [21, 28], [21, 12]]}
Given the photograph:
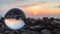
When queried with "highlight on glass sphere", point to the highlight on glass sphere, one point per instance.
{"points": [[14, 19]]}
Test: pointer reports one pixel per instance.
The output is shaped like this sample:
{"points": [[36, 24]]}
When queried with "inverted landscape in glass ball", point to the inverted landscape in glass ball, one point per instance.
{"points": [[14, 19]]}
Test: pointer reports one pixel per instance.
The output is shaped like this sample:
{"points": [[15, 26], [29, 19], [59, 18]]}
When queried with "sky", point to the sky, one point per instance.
{"points": [[32, 8]]}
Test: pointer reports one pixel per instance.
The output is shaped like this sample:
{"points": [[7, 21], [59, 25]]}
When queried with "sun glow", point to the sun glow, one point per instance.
{"points": [[32, 10], [37, 10]]}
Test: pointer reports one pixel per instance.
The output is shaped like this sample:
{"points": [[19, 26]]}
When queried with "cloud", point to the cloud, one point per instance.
{"points": [[58, 6], [21, 2], [26, 2]]}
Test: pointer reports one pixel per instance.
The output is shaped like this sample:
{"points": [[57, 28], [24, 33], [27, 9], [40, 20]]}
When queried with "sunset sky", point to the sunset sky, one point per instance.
{"points": [[34, 8]]}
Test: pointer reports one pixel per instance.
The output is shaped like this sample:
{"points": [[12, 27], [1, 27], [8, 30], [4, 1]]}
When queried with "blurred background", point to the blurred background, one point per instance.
{"points": [[32, 8]]}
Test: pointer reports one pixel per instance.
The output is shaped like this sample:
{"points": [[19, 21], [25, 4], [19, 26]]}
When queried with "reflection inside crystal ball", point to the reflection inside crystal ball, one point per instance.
{"points": [[14, 24]]}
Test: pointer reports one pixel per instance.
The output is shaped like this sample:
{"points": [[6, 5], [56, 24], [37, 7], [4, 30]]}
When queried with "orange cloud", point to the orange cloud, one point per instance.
{"points": [[41, 10]]}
